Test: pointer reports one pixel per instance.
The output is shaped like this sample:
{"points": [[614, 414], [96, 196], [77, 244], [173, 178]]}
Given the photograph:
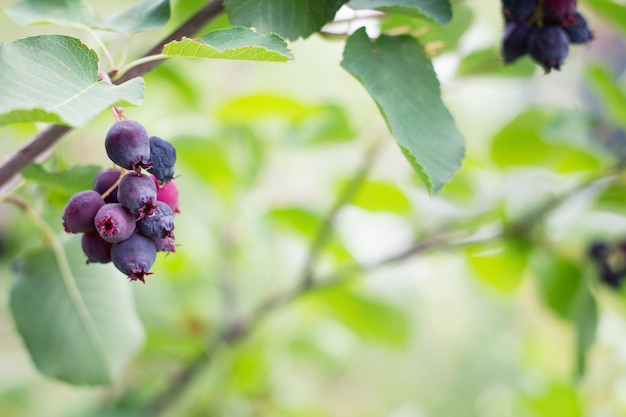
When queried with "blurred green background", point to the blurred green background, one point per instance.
{"points": [[490, 328]]}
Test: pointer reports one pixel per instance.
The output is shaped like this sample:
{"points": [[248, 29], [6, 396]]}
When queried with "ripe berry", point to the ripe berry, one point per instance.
{"points": [[162, 159], [80, 210], [518, 10], [137, 193], [127, 145], [164, 244], [559, 11], [97, 249], [114, 222], [134, 256], [104, 180], [515, 42], [578, 32], [549, 47], [159, 224], [167, 193]]}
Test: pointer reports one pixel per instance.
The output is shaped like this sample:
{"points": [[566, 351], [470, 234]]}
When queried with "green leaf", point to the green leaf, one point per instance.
{"points": [[562, 287], [235, 43], [446, 38], [300, 219], [289, 18], [605, 86], [611, 11], [53, 78], [526, 141], [76, 179], [488, 61], [401, 79], [79, 325], [380, 196], [370, 318], [438, 10], [500, 265], [73, 13], [147, 15]]}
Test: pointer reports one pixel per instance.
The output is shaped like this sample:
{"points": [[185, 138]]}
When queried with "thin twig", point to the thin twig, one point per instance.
{"points": [[48, 137]]}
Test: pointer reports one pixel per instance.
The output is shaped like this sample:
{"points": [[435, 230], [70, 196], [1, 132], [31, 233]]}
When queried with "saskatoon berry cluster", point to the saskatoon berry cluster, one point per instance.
{"points": [[543, 29], [128, 215]]}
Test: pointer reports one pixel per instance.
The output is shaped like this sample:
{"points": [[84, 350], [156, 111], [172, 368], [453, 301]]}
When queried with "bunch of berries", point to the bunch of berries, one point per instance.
{"points": [[128, 215], [543, 29], [610, 262]]}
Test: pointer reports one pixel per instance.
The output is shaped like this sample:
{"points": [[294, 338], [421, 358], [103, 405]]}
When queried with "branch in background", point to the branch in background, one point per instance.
{"points": [[48, 137], [239, 330]]}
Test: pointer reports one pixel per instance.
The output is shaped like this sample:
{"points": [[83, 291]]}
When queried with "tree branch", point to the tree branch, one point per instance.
{"points": [[48, 137]]}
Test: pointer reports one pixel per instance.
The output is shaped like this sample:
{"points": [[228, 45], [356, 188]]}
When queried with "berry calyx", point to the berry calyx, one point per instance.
{"points": [[134, 256], [114, 222], [127, 145]]}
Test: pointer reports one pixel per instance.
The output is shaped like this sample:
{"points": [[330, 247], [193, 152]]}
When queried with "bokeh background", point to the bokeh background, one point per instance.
{"points": [[457, 329]]}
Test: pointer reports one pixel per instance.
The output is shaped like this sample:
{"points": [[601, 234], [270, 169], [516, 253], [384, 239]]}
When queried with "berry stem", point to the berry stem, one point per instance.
{"points": [[105, 50], [111, 188]]}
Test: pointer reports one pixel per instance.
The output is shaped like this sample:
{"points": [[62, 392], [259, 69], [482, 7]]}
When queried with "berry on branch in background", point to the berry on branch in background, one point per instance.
{"points": [[167, 193], [137, 193], [578, 32], [97, 249], [610, 262], [80, 210], [127, 144], [134, 256], [162, 159], [106, 179], [515, 41], [160, 224], [548, 46], [128, 216], [114, 222], [543, 29]]}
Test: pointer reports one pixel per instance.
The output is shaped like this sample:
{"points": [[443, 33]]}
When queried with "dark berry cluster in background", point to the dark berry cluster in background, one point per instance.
{"points": [[543, 29], [610, 262], [128, 215]]}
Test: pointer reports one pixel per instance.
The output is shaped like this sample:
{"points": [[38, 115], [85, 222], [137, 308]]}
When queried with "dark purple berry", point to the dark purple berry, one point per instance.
{"points": [[610, 277], [549, 47], [560, 12], [598, 251], [103, 182], [162, 159], [138, 193], [80, 210], [97, 249], [114, 222], [159, 224], [518, 10], [578, 32], [134, 256], [127, 145], [515, 41], [164, 244]]}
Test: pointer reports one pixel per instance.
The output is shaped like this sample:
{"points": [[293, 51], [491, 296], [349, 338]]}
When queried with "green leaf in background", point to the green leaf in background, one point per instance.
{"points": [[610, 10], [289, 18], [311, 124], [488, 61], [445, 38], [73, 13], [528, 140], [401, 79], [54, 78], [147, 15], [562, 287], [555, 399], [78, 321], [500, 265], [369, 318], [380, 196], [236, 43], [77, 178], [439, 10], [606, 88]]}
